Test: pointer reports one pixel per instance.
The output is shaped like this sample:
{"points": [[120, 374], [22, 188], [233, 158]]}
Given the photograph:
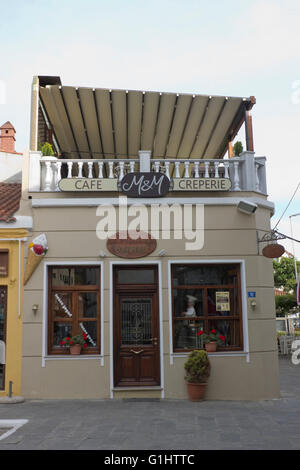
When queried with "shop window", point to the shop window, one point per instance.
{"points": [[73, 306], [206, 297]]}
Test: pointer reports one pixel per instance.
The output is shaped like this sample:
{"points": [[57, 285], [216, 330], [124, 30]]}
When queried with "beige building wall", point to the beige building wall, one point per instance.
{"points": [[229, 235]]}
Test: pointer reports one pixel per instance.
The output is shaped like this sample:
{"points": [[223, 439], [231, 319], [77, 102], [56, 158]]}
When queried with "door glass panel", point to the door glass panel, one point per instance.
{"points": [[87, 304], [136, 276], [136, 321]]}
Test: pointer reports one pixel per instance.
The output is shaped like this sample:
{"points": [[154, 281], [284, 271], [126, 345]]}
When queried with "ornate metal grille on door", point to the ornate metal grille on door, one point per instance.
{"points": [[136, 317]]}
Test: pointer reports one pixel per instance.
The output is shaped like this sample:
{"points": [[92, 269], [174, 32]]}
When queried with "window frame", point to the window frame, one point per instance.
{"points": [[206, 317], [74, 290]]}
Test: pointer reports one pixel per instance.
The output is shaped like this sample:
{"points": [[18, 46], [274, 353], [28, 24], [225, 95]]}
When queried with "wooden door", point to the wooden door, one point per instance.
{"points": [[136, 327]]}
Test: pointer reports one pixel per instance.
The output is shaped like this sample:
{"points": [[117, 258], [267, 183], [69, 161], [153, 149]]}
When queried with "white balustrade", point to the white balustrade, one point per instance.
{"points": [[90, 165], [238, 170]]}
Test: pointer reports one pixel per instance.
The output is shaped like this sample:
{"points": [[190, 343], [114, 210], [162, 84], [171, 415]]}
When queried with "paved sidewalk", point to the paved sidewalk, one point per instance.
{"points": [[149, 424]]}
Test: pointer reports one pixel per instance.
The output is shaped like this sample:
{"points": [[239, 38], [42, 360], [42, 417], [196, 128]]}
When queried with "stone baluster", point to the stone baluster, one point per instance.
{"points": [[80, 165], [236, 178], [100, 169], [90, 165], [186, 169], [131, 166], [70, 166], [256, 177], [48, 176], [111, 169], [216, 165], [57, 174], [156, 167], [121, 173], [177, 167], [167, 169], [196, 169], [226, 167], [206, 166]]}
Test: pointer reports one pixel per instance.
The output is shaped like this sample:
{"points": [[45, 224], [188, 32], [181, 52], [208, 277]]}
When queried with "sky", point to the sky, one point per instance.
{"points": [[221, 47]]}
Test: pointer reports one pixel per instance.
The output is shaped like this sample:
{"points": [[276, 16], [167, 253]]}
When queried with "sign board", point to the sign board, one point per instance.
{"points": [[145, 185], [123, 246], [223, 301], [274, 250], [298, 290], [201, 184], [251, 295], [88, 184], [4, 263]]}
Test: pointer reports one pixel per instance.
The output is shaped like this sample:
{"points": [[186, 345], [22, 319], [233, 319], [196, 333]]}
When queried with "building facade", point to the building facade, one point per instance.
{"points": [[142, 301]]}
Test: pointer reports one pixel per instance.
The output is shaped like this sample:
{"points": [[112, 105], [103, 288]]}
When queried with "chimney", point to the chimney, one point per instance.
{"points": [[7, 138]]}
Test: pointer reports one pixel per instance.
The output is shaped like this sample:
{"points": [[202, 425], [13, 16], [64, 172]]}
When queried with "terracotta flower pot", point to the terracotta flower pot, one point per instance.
{"points": [[196, 391], [211, 347], [75, 349]]}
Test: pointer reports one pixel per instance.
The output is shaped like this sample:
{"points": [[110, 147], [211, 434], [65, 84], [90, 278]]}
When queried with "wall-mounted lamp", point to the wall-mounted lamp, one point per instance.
{"points": [[35, 308], [162, 253], [247, 207], [253, 303]]}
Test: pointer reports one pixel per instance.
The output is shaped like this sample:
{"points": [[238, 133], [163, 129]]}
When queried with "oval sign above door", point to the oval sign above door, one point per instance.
{"points": [[124, 245], [274, 250], [145, 185]]}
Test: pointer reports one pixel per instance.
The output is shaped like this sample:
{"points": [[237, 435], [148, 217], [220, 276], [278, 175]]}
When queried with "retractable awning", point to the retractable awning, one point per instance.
{"points": [[103, 123]]}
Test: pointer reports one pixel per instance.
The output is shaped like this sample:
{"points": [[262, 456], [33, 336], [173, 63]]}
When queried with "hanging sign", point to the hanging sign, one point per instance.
{"points": [[4, 263], [223, 301], [123, 246], [88, 184], [274, 250], [201, 184], [145, 185]]}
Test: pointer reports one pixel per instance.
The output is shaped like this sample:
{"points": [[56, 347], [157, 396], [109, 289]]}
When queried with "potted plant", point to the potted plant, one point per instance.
{"points": [[211, 340], [197, 369], [75, 343]]}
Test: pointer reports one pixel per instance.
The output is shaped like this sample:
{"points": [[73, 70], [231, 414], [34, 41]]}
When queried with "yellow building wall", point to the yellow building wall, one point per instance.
{"points": [[13, 366]]}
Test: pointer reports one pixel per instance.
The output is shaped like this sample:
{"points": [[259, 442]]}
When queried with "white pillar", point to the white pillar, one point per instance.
{"points": [[145, 156]]}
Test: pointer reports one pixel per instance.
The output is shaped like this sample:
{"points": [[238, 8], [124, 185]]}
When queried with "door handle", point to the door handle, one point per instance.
{"points": [[137, 352], [154, 341]]}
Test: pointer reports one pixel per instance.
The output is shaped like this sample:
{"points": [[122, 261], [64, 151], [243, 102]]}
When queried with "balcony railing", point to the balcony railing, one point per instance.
{"points": [[246, 172]]}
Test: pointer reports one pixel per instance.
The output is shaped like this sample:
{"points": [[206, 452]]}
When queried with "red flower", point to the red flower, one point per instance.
{"points": [[68, 338], [71, 342], [213, 332], [62, 343], [222, 338], [38, 249], [85, 345], [200, 333], [84, 336]]}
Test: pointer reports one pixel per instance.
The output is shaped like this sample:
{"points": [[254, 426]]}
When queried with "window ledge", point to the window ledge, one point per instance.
{"points": [[217, 354]]}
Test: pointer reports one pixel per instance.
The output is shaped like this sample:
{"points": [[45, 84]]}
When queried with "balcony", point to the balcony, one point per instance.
{"points": [[246, 172]]}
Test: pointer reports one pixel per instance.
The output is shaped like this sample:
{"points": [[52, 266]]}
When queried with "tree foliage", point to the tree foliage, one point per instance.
{"points": [[284, 274], [285, 304], [237, 148]]}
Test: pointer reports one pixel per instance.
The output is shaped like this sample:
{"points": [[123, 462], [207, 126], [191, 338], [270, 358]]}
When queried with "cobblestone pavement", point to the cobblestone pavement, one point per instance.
{"points": [[155, 425]]}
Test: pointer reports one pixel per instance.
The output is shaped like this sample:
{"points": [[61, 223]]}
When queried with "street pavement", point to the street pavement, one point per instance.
{"points": [[160, 424]]}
